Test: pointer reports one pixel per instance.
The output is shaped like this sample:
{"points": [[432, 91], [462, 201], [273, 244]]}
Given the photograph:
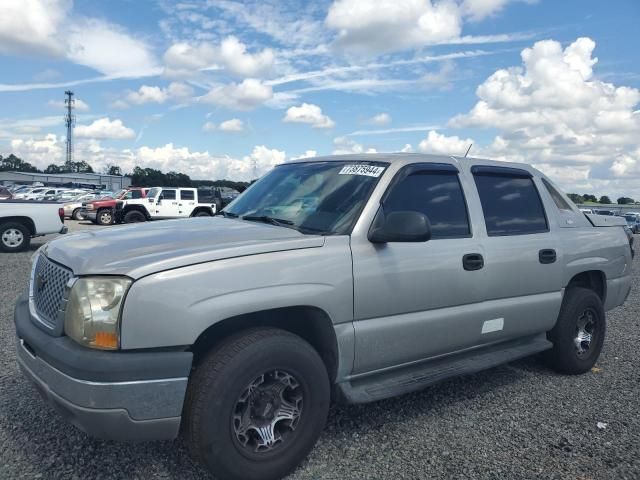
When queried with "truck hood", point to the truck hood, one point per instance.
{"points": [[141, 249]]}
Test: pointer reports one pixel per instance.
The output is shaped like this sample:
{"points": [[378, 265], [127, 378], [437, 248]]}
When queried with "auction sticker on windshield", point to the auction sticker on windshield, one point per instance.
{"points": [[367, 170]]}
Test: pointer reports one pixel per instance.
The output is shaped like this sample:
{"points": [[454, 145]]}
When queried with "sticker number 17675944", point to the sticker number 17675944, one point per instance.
{"points": [[367, 170]]}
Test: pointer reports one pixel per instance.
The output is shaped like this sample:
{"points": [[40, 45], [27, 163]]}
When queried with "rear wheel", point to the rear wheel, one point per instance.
{"points": [[256, 405], [134, 216], [14, 237], [579, 333], [105, 217], [202, 213]]}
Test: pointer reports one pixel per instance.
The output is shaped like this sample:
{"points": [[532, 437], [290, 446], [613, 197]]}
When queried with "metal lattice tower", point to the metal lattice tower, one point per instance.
{"points": [[70, 122]]}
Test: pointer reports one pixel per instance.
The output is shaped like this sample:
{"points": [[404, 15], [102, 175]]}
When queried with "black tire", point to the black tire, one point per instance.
{"points": [[134, 216], [215, 393], [104, 217], [202, 213], [14, 237], [580, 306], [76, 215], [218, 204]]}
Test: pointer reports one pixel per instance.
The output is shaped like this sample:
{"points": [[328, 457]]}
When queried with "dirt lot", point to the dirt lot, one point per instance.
{"points": [[516, 421]]}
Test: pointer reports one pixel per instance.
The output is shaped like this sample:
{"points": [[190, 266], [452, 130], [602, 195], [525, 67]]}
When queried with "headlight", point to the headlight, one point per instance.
{"points": [[90, 206], [92, 316]]}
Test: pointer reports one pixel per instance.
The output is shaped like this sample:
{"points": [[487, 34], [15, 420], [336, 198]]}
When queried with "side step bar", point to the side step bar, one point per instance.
{"points": [[418, 376]]}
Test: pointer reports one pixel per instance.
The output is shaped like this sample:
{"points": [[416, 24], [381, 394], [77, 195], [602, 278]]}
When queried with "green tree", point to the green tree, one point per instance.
{"points": [[625, 201], [590, 198], [575, 198], [13, 163], [113, 170], [53, 168], [605, 199]]}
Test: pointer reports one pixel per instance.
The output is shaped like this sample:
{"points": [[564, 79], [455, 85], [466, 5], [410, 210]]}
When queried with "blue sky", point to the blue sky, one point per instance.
{"points": [[220, 89]]}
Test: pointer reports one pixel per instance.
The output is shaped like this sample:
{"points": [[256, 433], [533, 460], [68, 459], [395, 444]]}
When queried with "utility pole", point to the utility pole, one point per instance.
{"points": [[70, 122]]}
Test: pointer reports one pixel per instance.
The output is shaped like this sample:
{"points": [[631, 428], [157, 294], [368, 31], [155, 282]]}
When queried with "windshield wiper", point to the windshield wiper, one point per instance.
{"points": [[229, 214], [280, 222]]}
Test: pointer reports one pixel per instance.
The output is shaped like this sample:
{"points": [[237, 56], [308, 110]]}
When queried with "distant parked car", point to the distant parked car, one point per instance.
{"points": [[73, 207], [586, 210], [604, 212], [633, 220], [5, 194], [26, 193]]}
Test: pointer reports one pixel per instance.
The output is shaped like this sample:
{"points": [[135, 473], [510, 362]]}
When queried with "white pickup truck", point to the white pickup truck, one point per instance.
{"points": [[164, 203], [20, 220]]}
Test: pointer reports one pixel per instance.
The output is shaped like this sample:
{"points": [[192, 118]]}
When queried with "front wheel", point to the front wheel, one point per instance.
{"points": [[256, 405], [105, 217], [579, 333], [134, 216]]}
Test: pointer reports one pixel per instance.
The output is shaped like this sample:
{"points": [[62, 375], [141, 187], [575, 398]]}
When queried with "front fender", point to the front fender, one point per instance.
{"points": [[174, 307]]}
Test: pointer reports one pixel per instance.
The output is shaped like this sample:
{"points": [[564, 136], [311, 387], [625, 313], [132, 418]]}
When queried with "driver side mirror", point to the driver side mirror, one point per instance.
{"points": [[409, 226]]}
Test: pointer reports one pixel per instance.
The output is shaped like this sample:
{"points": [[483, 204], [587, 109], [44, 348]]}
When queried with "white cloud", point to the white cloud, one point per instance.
{"points": [[380, 119], [244, 96], [553, 112], [80, 105], [234, 125], [184, 59], [105, 128], [147, 94], [109, 49], [31, 26], [437, 143], [153, 94], [209, 127], [39, 151], [344, 145], [306, 154], [388, 25], [310, 114], [47, 28], [481, 9], [408, 148]]}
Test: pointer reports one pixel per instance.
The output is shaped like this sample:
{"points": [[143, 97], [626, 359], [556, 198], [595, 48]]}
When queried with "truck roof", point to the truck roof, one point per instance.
{"points": [[406, 158]]}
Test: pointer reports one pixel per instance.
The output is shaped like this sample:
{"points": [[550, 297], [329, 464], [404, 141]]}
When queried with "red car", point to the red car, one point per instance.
{"points": [[102, 211]]}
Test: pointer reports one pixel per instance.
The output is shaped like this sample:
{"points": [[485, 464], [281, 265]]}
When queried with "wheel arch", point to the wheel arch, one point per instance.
{"points": [[137, 208], [201, 209], [26, 221], [310, 323], [595, 280]]}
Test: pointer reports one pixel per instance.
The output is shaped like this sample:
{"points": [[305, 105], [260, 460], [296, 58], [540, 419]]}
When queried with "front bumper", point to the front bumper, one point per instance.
{"points": [[89, 214], [130, 396]]}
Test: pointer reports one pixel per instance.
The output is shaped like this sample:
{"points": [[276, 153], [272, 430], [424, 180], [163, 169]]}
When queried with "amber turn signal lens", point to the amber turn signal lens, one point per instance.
{"points": [[106, 340]]}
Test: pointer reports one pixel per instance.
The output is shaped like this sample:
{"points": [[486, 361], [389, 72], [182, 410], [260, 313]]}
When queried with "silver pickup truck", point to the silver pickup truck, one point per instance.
{"points": [[350, 278]]}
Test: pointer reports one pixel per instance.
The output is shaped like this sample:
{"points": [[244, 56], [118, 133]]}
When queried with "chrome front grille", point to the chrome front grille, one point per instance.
{"points": [[48, 285]]}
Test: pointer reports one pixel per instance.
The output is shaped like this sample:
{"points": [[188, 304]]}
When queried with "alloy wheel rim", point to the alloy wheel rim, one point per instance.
{"points": [[585, 332], [268, 412], [105, 217], [12, 237]]}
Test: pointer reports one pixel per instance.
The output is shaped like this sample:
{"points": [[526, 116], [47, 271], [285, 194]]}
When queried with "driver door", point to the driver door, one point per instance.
{"points": [[167, 204], [417, 300]]}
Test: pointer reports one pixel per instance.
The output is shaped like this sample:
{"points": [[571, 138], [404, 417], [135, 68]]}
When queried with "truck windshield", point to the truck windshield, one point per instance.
{"points": [[311, 197]]}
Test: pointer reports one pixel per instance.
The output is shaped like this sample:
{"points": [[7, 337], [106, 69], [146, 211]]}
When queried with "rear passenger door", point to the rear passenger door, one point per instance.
{"points": [[187, 202], [522, 257], [413, 301]]}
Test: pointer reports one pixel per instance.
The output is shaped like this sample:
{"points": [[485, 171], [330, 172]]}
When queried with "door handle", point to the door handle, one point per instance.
{"points": [[547, 255], [472, 261]]}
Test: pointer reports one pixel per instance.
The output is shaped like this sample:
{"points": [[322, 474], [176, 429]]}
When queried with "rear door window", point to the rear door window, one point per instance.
{"points": [[187, 195], [510, 201]]}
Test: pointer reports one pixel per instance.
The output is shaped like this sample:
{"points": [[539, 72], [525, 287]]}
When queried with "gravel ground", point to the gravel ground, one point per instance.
{"points": [[515, 421]]}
